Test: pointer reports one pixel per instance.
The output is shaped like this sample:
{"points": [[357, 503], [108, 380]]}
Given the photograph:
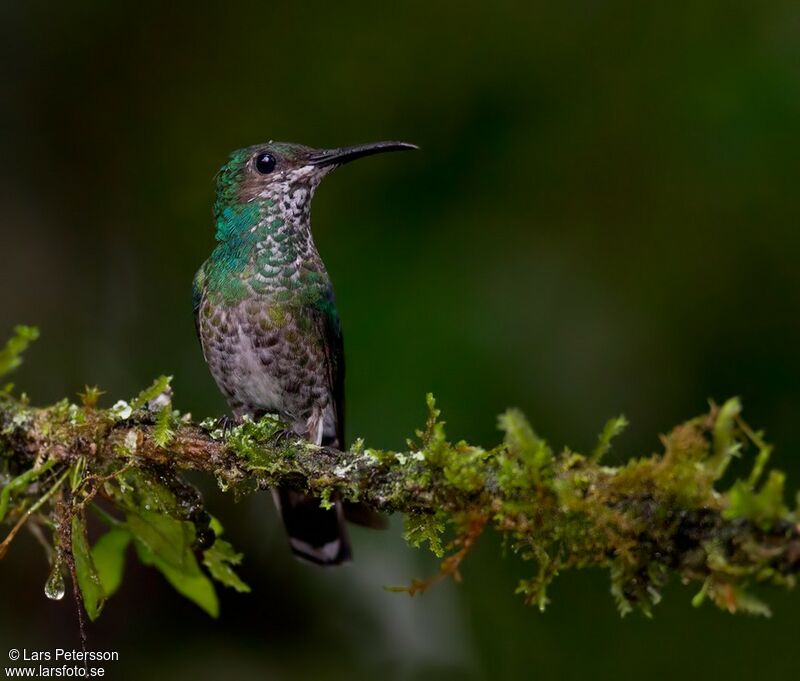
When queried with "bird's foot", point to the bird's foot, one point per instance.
{"points": [[226, 424], [282, 436]]}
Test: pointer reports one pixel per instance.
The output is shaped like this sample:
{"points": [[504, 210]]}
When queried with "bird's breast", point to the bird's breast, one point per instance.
{"points": [[265, 356]]}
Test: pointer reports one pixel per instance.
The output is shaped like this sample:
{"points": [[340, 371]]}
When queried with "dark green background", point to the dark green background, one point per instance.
{"points": [[603, 219]]}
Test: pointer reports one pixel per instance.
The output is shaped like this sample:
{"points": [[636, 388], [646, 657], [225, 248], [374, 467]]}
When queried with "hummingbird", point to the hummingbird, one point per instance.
{"points": [[267, 320]]}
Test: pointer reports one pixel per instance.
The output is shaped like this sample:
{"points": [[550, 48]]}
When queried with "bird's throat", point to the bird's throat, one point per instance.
{"points": [[264, 246]]}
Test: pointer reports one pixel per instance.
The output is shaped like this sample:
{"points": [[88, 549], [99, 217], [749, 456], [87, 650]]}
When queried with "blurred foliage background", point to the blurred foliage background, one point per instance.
{"points": [[603, 219]]}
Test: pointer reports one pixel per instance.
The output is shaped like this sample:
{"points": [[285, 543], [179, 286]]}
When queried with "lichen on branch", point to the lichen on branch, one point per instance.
{"points": [[652, 519]]}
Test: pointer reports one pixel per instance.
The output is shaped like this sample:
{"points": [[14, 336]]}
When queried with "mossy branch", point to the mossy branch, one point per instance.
{"points": [[652, 519]]}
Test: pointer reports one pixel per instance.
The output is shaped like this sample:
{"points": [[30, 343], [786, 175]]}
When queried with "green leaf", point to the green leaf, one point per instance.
{"points": [[193, 585], [20, 483], [219, 560], [108, 555], [216, 526], [91, 589], [166, 544], [11, 354], [169, 539], [425, 527], [142, 491]]}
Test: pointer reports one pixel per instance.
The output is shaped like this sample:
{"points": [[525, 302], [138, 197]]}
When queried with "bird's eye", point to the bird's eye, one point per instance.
{"points": [[265, 163]]}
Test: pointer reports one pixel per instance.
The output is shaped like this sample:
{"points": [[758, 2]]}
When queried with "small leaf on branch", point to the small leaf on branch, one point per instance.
{"points": [[220, 560], [89, 583], [425, 527], [166, 544], [190, 583], [108, 555]]}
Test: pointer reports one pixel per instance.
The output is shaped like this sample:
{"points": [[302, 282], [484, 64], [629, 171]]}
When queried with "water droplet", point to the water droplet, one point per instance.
{"points": [[54, 587]]}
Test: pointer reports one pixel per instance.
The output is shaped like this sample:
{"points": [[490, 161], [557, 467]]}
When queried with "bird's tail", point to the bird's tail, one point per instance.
{"points": [[316, 535]]}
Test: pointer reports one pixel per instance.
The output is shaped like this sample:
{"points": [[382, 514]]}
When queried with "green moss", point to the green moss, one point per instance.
{"points": [[726, 445], [247, 440], [764, 507], [527, 460], [159, 387], [654, 518], [611, 430], [164, 432], [11, 353]]}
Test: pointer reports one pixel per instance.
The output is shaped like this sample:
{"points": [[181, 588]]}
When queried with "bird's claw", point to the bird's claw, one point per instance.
{"points": [[226, 424], [282, 436]]}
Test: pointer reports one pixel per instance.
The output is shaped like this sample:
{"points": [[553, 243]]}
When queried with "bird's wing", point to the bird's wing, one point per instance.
{"points": [[198, 291], [329, 329]]}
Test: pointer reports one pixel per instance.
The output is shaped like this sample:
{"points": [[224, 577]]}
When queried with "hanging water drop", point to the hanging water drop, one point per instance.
{"points": [[54, 587]]}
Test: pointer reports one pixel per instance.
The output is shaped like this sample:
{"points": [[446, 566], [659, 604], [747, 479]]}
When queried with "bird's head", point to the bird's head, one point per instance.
{"points": [[285, 173]]}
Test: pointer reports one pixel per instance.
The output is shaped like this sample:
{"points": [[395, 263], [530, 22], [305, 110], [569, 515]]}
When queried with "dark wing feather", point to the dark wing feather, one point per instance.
{"points": [[198, 289], [329, 328]]}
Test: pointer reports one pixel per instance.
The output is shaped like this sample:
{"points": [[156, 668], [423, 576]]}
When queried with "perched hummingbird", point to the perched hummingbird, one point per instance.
{"points": [[267, 319]]}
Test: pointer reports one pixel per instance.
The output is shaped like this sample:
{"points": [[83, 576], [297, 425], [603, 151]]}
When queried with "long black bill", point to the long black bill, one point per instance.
{"points": [[329, 157]]}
